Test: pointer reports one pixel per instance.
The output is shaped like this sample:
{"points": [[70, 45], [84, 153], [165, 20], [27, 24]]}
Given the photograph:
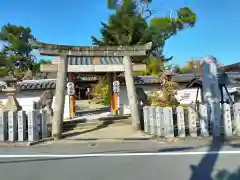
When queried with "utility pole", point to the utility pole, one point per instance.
{"points": [[57, 122]]}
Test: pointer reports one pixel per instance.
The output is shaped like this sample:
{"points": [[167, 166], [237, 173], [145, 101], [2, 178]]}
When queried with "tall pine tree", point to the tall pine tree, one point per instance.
{"points": [[128, 25]]}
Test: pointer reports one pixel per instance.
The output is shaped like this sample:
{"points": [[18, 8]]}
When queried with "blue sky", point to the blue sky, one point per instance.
{"points": [[73, 22]]}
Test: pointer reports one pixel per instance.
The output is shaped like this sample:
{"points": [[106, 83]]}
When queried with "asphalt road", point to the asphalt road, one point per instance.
{"points": [[121, 161]]}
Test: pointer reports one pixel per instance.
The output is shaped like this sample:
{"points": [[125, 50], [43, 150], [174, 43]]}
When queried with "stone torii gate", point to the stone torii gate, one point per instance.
{"points": [[64, 51]]}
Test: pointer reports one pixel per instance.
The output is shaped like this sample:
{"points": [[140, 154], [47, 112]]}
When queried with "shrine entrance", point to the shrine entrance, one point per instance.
{"points": [[84, 79], [107, 61], [83, 85], [82, 93]]}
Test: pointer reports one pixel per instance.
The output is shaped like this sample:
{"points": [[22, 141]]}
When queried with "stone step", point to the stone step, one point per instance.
{"points": [[100, 126], [70, 125]]}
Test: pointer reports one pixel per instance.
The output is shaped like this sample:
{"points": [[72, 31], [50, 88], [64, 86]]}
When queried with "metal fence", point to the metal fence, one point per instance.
{"points": [[23, 126], [187, 121]]}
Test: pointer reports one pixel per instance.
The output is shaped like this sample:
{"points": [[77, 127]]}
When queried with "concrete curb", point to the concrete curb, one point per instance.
{"points": [[50, 139], [208, 139], [107, 139], [42, 141], [161, 140], [100, 140], [24, 144]]}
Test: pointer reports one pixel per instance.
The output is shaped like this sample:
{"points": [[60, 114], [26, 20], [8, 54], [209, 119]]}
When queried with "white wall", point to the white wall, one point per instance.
{"points": [[26, 99], [184, 96], [123, 98], [188, 96]]}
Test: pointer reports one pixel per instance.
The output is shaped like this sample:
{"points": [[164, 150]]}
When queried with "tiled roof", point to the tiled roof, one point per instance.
{"points": [[89, 60], [234, 78], [82, 60], [41, 84], [37, 84]]}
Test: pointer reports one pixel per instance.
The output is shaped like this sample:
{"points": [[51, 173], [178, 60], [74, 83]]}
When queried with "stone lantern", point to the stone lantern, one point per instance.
{"points": [[12, 103]]}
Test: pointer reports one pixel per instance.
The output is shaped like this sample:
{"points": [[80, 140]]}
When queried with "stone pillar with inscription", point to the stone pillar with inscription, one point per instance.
{"points": [[152, 119], [192, 120], [159, 121], [33, 134], [39, 123], [3, 125], [12, 126], [211, 92], [203, 119], [146, 119], [237, 118], [168, 122], [181, 122], [44, 120], [227, 120], [22, 125]]}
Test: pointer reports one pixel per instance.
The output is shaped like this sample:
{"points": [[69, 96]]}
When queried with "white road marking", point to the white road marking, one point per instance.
{"points": [[119, 154]]}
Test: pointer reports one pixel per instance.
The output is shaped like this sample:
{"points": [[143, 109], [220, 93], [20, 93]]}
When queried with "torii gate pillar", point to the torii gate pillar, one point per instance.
{"points": [[131, 91], [57, 122]]}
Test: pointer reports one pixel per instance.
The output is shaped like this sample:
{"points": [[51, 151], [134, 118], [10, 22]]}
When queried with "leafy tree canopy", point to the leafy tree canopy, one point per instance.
{"points": [[129, 26], [16, 45], [36, 65], [190, 66]]}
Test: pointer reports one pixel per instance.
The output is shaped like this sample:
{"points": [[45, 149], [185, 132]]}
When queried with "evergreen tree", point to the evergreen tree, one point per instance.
{"points": [[17, 49], [128, 26]]}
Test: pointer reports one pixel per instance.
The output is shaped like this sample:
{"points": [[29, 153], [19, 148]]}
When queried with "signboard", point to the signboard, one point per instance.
{"points": [[70, 84], [70, 88], [116, 86]]}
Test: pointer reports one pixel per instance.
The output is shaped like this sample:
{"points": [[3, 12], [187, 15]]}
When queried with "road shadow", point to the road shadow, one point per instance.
{"points": [[101, 126], [203, 171], [85, 111], [226, 175], [173, 149]]}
